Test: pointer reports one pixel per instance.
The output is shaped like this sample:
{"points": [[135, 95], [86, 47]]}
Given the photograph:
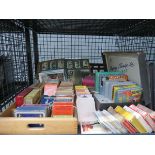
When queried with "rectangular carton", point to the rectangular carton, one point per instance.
{"points": [[33, 97], [46, 125]]}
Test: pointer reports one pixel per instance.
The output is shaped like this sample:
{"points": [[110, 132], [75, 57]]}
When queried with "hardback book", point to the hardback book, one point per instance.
{"points": [[132, 119]]}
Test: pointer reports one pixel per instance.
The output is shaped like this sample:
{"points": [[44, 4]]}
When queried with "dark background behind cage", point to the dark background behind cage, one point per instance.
{"points": [[24, 43]]}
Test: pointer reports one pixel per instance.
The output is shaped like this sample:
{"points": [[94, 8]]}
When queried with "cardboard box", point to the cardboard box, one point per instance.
{"points": [[33, 97], [47, 125]]}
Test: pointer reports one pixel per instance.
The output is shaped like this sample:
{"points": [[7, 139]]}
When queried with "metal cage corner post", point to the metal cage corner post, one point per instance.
{"points": [[29, 58]]}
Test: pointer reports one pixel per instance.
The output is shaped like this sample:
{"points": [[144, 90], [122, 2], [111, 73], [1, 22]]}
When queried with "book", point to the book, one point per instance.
{"points": [[100, 75], [127, 93], [140, 119], [125, 123], [149, 111], [114, 121], [145, 115], [132, 119], [109, 87], [104, 121], [131, 129]]}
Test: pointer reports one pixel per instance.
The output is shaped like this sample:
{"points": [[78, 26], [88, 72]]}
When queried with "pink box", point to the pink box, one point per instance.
{"points": [[50, 89]]}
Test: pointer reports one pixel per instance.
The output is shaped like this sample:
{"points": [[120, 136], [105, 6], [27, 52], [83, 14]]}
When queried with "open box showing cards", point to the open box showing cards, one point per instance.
{"points": [[132, 64], [44, 125]]}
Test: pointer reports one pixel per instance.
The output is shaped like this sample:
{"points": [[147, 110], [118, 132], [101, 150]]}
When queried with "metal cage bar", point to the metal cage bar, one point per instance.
{"points": [[13, 61]]}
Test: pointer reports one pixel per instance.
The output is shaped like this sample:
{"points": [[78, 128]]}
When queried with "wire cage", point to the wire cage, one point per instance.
{"points": [[24, 43], [13, 61]]}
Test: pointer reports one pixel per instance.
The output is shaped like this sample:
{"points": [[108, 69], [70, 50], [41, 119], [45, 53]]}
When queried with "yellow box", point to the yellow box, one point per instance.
{"points": [[33, 97]]}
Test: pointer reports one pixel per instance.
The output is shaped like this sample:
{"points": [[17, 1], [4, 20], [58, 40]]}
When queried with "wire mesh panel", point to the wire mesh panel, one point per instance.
{"points": [[52, 46], [13, 62], [144, 44]]}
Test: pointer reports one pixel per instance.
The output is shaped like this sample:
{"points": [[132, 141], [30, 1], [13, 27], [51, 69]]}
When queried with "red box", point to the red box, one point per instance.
{"points": [[62, 109], [19, 99]]}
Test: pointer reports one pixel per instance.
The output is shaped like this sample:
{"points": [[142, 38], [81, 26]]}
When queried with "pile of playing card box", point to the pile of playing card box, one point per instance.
{"points": [[63, 105], [45, 100], [35, 101], [50, 113]]}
